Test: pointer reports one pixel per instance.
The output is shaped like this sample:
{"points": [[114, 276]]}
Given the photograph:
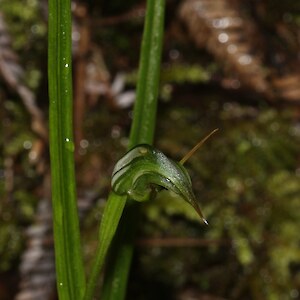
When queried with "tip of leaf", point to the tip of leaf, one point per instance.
{"points": [[198, 210]]}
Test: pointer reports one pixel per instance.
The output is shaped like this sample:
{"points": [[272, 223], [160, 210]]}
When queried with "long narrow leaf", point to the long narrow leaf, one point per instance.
{"points": [[68, 259], [144, 114], [110, 220], [142, 131], [116, 275]]}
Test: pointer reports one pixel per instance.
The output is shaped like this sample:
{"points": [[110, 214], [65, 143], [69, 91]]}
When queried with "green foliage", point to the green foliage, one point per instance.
{"points": [[109, 223], [246, 176], [25, 22], [29, 30], [177, 73], [10, 242], [68, 257], [180, 74], [17, 134], [17, 177], [142, 131]]}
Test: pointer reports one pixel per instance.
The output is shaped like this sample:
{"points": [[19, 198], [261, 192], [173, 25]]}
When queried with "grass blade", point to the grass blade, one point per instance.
{"points": [[110, 220], [68, 259], [142, 131], [144, 114]]}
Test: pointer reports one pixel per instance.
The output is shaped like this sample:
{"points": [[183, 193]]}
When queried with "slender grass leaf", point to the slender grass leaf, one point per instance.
{"points": [[142, 131], [68, 258]]}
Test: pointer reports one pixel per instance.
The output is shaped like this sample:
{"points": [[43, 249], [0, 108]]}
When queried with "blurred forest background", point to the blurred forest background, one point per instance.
{"points": [[227, 64]]}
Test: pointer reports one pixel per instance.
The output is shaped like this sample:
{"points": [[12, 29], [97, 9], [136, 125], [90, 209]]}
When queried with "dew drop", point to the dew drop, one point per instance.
{"points": [[69, 145]]}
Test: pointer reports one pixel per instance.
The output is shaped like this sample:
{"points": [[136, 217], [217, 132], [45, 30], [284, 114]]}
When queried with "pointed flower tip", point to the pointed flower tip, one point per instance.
{"points": [[205, 222]]}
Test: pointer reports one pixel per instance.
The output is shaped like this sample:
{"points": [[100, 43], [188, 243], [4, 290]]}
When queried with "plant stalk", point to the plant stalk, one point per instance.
{"points": [[68, 257], [142, 131]]}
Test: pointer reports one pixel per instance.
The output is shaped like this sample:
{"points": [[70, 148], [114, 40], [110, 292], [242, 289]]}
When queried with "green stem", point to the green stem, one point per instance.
{"points": [[142, 131], [68, 257], [116, 275], [144, 114], [110, 220]]}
